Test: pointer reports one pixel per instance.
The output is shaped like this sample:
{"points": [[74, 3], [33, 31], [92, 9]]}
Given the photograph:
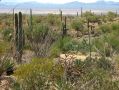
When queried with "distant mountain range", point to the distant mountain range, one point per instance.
{"points": [[100, 5]]}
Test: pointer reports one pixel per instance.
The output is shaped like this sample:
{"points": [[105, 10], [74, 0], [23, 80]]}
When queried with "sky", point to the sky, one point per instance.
{"points": [[56, 1]]}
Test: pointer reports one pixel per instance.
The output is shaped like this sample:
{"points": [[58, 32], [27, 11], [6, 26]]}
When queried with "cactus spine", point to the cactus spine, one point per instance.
{"points": [[19, 37]]}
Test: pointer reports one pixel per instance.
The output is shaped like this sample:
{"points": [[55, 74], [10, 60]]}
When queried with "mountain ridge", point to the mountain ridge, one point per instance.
{"points": [[70, 5]]}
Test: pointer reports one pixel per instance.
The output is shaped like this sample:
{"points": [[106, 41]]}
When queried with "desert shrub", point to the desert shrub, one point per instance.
{"points": [[67, 44], [53, 20], [91, 17], [5, 64], [111, 16], [115, 27], [77, 24], [43, 74], [7, 34], [41, 40], [113, 41], [105, 64], [97, 75], [4, 46], [40, 74], [105, 28]]}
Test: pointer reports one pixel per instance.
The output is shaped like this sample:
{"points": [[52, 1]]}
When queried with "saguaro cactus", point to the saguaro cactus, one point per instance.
{"points": [[77, 14], [65, 27], [81, 11], [61, 15], [31, 23], [89, 37], [16, 32], [19, 37]]}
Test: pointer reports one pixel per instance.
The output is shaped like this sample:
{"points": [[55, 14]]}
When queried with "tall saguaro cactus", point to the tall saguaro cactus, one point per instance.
{"points": [[81, 11], [64, 27], [61, 15], [31, 23], [89, 37], [19, 37], [77, 14]]}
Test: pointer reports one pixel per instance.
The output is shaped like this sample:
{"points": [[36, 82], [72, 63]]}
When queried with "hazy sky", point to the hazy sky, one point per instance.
{"points": [[56, 1]]}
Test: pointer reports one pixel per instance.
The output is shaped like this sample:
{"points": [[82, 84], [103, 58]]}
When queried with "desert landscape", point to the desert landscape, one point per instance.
{"points": [[54, 48]]}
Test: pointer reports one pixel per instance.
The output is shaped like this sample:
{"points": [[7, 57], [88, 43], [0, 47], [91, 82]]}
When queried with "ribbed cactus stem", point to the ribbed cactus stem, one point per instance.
{"points": [[20, 32], [16, 31], [116, 13], [13, 16], [61, 14], [31, 23], [65, 27], [77, 14], [81, 11], [19, 37]]}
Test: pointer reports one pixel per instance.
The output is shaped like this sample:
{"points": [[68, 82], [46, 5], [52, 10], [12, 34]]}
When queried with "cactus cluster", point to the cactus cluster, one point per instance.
{"points": [[19, 38]]}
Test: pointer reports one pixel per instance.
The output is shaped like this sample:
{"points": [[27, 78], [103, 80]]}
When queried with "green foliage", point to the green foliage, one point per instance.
{"points": [[105, 28], [105, 64], [67, 44], [40, 31], [40, 74], [5, 64], [91, 17], [41, 40], [77, 24], [113, 40], [111, 16], [4, 46], [53, 20], [7, 34], [97, 75]]}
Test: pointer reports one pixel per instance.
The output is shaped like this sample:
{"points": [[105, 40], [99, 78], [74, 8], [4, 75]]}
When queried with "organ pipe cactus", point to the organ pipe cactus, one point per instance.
{"points": [[19, 37]]}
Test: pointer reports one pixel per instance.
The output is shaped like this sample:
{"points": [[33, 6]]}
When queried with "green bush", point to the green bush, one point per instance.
{"points": [[105, 64], [4, 46], [111, 16], [53, 20], [5, 64], [105, 28], [40, 74], [41, 40], [7, 34], [67, 44], [97, 75]]}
